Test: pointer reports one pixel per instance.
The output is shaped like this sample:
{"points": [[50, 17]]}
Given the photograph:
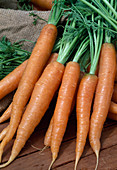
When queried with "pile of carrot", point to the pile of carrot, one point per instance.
{"points": [[86, 41]]}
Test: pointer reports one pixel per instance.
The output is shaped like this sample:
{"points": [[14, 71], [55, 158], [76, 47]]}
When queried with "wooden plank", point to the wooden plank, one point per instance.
{"points": [[37, 139], [107, 161], [67, 152]]}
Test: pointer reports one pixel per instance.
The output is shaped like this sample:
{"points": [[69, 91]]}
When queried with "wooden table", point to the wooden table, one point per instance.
{"points": [[31, 158]]}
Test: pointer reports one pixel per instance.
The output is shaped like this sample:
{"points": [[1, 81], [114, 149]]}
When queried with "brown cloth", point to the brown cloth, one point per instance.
{"points": [[17, 25]]}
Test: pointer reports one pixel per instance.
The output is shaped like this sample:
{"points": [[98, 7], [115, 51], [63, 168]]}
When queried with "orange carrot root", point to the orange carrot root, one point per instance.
{"points": [[113, 111], [63, 106], [104, 90], [40, 99], [11, 81], [4, 132], [113, 108], [47, 139], [83, 107], [6, 115], [46, 4], [34, 68]]}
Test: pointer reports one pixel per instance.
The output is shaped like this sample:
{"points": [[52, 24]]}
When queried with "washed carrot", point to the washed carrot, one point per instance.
{"points": [[87, 86], [39, 102], [6, 115], [83, 107], [113, 107], [52, 58], [11, 81], [31, 74], [46, 4], [4, 132], [40, 99], [68, 86], [114, 96], [107, 70], [63, 105], [48, 135]]}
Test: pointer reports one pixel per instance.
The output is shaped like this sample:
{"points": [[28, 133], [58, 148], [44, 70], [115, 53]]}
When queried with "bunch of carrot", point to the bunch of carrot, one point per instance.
{"points": [[38, 79]]}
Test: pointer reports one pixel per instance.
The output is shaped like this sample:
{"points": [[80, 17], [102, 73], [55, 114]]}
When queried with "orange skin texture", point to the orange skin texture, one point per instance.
{"points": [[6, 115], [48, 135], [4, 132], [34, 68], [43, 4], [63, 106], [114, 96], [41, 97], [104, 90], [112, 114], [83, 107], [113, 108], [11, 81]]}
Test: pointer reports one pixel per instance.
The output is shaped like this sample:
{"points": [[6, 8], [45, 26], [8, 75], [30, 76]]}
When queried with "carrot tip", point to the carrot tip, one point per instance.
{"points": [[51, 164], [7, 163], [76, 163], [97, 156]]}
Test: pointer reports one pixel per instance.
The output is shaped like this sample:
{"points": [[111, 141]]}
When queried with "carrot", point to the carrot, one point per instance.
{"points": [[113, 108], [31, 74], [63, 105], [48, 135], [40, 99], [4, 132], [11, 81], [52, 58], [107, 69], [46, 4], [114, 96], [83, 107], [6, 115]]}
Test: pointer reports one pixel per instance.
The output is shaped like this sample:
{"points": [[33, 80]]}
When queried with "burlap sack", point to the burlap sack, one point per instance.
{"points": [[16, 25]]}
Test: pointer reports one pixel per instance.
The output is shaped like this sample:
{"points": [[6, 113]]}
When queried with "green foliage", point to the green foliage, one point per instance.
{"points": [[24, 5], [11, 56]]}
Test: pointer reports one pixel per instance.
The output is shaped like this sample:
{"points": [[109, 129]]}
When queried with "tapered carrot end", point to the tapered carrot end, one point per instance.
{"points": [[53, 160], [7, 163], [97, 156], [51, 164], [76, 162]]}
